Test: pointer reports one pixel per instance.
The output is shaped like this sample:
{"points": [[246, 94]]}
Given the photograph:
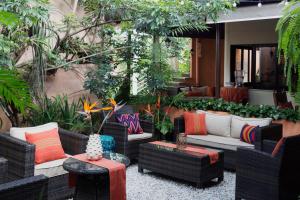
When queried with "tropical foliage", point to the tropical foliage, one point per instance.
{"points": [[288, 28], [259, 111], [118, 37], [58, 109], [14, 92]]}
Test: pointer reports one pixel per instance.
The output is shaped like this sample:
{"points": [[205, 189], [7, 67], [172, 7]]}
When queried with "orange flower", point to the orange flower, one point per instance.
{"points": [[112, 102], [148, 110], [90, 108], [158, 102]]}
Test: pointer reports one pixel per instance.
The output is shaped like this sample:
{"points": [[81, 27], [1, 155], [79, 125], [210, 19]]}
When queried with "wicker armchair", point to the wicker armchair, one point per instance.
{"points": [[31, 188], [20, 156], [126, 146], [260, 176], [271, 132]]}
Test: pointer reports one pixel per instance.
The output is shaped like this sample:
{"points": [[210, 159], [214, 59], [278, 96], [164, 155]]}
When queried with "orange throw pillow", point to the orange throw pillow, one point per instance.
{"points": [[47, 145], [194, 123]]}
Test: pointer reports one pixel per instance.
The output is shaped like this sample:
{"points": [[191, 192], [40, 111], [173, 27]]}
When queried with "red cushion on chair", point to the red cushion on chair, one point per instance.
{"points": [[47, 145], [278, 147], [194, 123]]}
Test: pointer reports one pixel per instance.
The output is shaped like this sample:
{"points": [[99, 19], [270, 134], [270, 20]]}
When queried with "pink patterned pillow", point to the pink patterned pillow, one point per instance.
{"points": [[132, 121]]}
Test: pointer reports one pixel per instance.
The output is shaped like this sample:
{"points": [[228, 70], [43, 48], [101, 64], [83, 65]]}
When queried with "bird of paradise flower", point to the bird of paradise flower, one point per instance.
{"points": [[88, 109]]}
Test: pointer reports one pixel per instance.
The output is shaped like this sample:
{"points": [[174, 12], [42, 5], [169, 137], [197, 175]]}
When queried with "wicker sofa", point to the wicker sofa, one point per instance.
{"points": [[21, 156], [128, 144], [31, 188], [261, 176], [228, 143]]}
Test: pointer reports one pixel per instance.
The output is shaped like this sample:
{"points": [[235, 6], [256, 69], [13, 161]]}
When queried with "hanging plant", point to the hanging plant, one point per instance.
{"points": [[288, 28]]}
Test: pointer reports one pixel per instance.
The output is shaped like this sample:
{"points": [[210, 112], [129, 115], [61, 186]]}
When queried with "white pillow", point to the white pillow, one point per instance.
{"points": [[20, 132], [218, 124], [237, 124]]}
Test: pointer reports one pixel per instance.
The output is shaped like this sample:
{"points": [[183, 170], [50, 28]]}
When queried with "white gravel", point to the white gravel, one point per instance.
{"points": [[150, 186]]}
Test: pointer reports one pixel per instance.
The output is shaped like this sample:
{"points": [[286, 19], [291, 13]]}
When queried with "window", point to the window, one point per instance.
{"points": [[259, 64]]}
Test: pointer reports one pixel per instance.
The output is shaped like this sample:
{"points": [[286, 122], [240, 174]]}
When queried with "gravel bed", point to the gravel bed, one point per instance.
{"points": [[151, 186]]}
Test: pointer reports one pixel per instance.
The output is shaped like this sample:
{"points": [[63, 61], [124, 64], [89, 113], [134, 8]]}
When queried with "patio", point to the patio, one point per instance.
{"points": [[150, 99]]}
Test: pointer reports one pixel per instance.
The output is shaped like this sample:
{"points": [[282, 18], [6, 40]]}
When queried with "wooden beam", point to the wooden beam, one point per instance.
{"points": [[218, 62]]}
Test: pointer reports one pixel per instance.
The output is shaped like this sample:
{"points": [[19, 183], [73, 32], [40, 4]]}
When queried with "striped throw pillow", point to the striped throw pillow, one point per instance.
{"points": [[248, 134], [47, 145]]}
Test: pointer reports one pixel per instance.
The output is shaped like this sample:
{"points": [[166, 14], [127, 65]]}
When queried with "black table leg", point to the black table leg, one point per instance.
{"points": [[92, 187]]}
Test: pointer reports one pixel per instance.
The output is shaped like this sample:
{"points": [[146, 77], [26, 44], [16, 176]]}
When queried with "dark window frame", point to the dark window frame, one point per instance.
{"points": [[253, 83]]}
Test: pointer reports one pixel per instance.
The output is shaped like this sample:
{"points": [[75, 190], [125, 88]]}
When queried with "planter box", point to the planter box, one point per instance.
{"points": [[290, 128]]}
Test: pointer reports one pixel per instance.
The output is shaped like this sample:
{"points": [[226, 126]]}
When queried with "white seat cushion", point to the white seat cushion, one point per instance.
{"points": [[237, 124], [20, 132], [215, 141], [51, 168], [218, 124], [142, 136]]}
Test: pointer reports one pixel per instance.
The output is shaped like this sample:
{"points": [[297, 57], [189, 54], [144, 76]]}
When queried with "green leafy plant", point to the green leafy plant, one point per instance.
{"points": [[59, 110], [14, 94], [160, 115], [288, 28], [259, 111]]}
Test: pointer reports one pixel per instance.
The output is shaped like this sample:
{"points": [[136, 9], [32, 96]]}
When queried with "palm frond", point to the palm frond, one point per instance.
{"points": [[14, 90]]}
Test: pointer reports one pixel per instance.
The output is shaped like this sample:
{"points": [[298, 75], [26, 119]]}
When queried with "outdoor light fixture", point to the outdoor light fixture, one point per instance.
{"points": [[234, 5]]}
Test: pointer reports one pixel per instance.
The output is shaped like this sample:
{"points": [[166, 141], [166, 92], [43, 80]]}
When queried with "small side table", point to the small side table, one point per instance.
{"points": [[92, 180], [235, 94]]}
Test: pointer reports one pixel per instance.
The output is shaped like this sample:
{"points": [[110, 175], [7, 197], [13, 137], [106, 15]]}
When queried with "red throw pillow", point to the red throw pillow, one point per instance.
{"points": [[278, 147], [47, 145], [194, 123]]}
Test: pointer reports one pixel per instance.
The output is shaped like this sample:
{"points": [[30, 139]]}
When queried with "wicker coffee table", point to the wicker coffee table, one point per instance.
{"points": [[180, 164]]}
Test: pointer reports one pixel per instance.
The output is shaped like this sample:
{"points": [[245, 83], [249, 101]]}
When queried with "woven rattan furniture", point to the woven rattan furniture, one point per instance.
{"points": [[271, 132], [20, 156], [259, 176], [176, 163], [92, 180], [129, 148], [30, 188]]}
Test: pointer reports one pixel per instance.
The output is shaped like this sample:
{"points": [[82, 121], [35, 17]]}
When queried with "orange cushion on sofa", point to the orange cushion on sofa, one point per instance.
{"points": [[47, 145], [194, 123]]}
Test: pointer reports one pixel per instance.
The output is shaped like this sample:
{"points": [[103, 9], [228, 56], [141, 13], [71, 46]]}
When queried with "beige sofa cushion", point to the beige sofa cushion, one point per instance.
{"points": [[20, 132], [142, 136], [237, 124], [215, 141], [51, 168], [218, 124]]}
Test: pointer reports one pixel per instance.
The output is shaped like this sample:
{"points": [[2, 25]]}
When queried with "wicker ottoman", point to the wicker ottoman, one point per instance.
{"points": [[188, 166]]}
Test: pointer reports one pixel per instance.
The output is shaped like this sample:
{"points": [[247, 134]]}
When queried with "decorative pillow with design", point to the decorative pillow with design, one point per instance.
{"points": [[248, 133], [194, 123], [47, 145], [132, 121]]}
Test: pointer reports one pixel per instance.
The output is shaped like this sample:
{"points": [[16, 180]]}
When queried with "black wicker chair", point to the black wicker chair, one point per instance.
{"points": [[260, 176], [30, 188], [20, 156], [271, 132], [120, 134]]}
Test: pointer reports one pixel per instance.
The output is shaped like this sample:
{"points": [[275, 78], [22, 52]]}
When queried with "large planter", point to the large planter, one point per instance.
{"points": [[168, 137], [290, 128]]}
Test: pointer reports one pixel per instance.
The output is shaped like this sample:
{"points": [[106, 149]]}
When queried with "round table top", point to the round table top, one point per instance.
{"points": [[79, 167]]}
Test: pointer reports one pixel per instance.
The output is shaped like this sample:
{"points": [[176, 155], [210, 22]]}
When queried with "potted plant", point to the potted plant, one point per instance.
{"points": [[161, 119]]}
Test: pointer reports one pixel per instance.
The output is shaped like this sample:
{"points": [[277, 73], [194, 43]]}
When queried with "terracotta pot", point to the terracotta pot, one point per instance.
{"points": [[290, 128]]}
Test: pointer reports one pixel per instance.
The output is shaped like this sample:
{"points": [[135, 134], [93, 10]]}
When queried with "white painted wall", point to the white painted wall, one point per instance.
{"points": [[250, 32]]}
